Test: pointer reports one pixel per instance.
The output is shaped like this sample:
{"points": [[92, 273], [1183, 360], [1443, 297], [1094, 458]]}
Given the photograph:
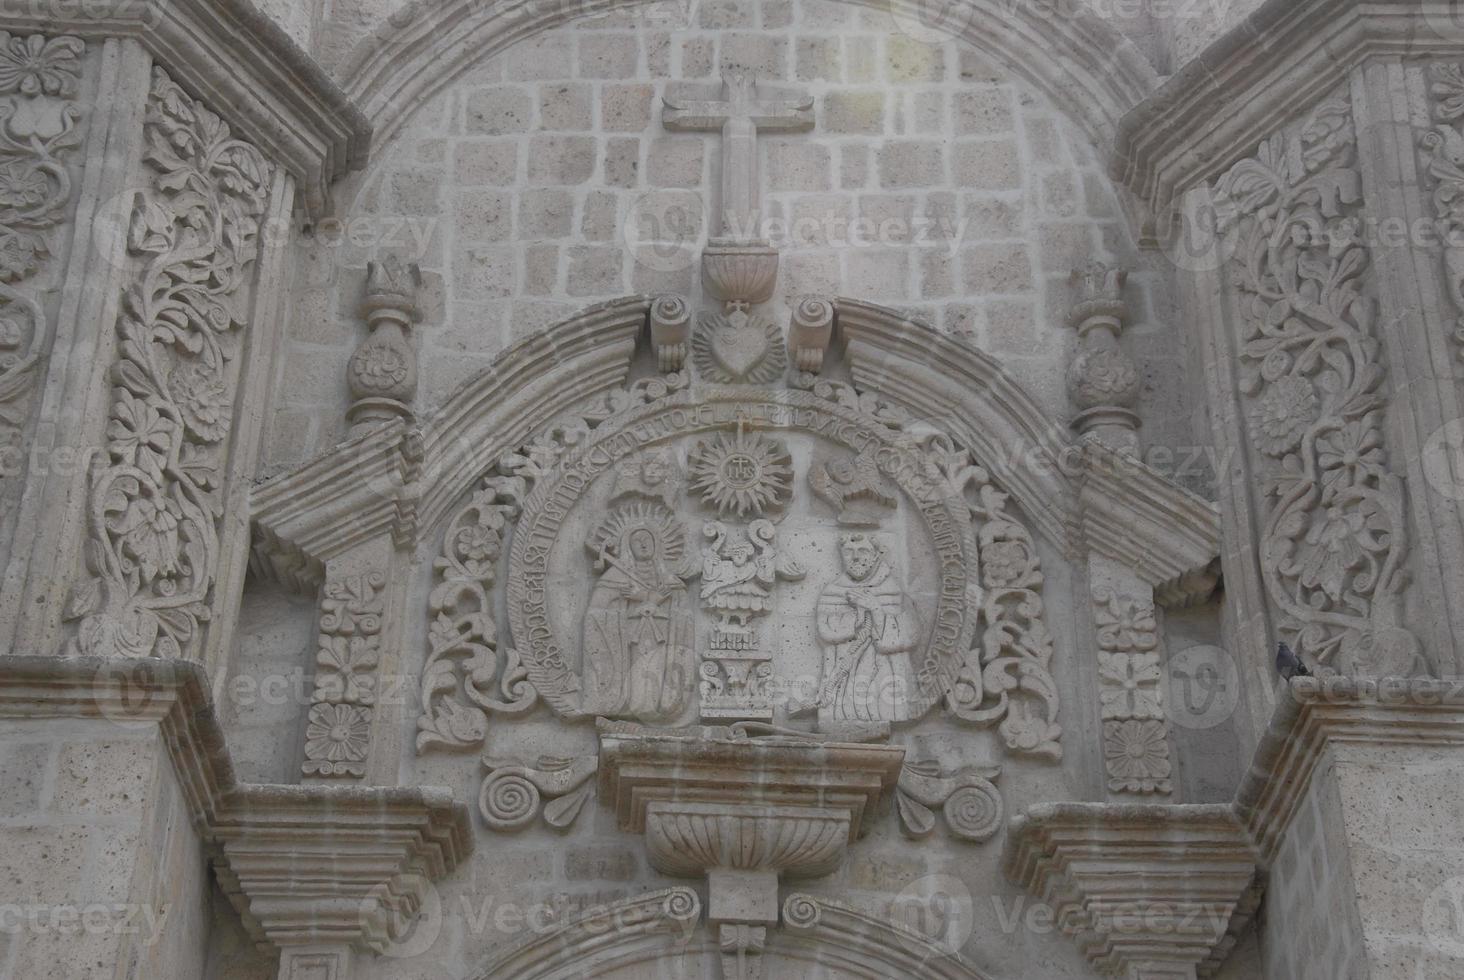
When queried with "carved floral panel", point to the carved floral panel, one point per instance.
{"points": [[154, 510], [1334, 539], [40, 132]]}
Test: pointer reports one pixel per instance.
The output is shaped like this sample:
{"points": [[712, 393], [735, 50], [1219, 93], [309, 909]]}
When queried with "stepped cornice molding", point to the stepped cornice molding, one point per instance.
{"points": [[1083, 496], [1266, 71], [1079, 61], [368, 485], [240, 63], [379, 845], [1168, 888], [1322, 713]]}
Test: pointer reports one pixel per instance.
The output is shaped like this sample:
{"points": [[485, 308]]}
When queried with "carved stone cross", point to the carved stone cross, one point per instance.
{"points": [[740, 115]]}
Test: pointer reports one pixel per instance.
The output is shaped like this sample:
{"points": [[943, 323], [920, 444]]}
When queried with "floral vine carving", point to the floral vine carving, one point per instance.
{"points": [[38, 131], [469, 673], [1334, 540], [465, 677], [338, 727], [841, 393], [1009, 679], [1135, 735], [1444, 146], [154, 511]]}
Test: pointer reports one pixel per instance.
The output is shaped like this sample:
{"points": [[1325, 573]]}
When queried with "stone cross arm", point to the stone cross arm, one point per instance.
{"points": [[740, 115]]}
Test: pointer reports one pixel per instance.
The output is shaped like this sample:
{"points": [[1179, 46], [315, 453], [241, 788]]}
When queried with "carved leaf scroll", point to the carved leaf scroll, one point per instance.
{"points": [[155, 509], [1009, 680]]}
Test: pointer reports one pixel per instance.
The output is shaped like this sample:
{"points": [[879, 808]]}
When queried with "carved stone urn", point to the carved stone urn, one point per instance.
{"points": [[743, 810], [738, 271]]}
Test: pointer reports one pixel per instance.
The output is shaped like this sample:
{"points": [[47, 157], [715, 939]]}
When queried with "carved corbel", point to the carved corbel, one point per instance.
{"points": [[809, 333], [513, 795], [383, 372], [970, 801], [670, 331], [1102, 380]]}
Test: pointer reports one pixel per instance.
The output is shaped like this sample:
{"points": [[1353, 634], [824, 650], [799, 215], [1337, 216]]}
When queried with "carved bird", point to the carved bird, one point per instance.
{"points": [[1288, 664]]}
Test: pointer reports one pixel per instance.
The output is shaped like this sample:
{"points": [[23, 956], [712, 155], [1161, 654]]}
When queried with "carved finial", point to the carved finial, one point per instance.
{"points": [[383, 372], [1098, 294], [1103, 381]]}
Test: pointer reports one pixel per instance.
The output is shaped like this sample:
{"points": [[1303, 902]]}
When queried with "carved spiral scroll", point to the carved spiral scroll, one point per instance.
{"points": [[975, 812], [508, 800], [682, 905], [801, 912]]}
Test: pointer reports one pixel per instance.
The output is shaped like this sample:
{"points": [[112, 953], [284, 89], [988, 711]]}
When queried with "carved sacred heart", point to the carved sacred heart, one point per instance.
{"points": [[738, 343]]}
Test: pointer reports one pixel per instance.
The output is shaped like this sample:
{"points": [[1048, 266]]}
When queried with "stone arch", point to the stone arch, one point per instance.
{"points": [[818, 937], [1090, 71]]}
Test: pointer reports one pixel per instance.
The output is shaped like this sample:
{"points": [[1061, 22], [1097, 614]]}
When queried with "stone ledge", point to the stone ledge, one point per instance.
{"points": [[1267, 70], [244, 67], [378, 846], [1417, 712], [1144, 889]]}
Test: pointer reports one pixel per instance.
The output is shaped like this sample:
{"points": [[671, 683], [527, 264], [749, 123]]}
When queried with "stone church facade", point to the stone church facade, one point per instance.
{"points": [[758, 489]]}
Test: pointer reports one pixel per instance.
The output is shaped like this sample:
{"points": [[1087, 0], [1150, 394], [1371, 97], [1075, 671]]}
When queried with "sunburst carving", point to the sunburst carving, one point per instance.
{"points": [[742, 473]]}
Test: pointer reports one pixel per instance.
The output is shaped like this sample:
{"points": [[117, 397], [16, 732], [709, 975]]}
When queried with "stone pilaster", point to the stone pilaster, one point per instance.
{"points": [[152, 371], [1352, 801]]}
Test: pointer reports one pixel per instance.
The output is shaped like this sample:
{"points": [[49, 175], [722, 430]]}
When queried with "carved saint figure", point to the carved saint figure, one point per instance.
{"points": [[637, 632], [868, 627]]}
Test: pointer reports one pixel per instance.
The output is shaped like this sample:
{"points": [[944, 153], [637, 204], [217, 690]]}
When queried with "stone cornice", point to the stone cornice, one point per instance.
{"points": [[380, 844], [1138, 883], [1134, 515], [368, 485], [241, 64], [1083, 496], [1323, 712], [1266, 71]]}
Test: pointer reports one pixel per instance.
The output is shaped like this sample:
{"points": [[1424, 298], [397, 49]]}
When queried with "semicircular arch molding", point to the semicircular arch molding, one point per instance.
{"points": [[1089, 70]]}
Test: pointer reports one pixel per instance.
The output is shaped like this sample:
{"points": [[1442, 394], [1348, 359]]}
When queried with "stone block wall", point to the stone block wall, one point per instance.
{"points": [[101, 871], [1308, 921], [537, 183]]}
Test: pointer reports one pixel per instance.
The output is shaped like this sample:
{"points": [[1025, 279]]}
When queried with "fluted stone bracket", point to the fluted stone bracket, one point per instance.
{"points": [[1144, 890], [742, 810], [376, 850]]}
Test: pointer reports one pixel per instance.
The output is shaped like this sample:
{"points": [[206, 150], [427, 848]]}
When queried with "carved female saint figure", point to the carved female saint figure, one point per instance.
{"points": [[637, 632], [868, 627]]}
